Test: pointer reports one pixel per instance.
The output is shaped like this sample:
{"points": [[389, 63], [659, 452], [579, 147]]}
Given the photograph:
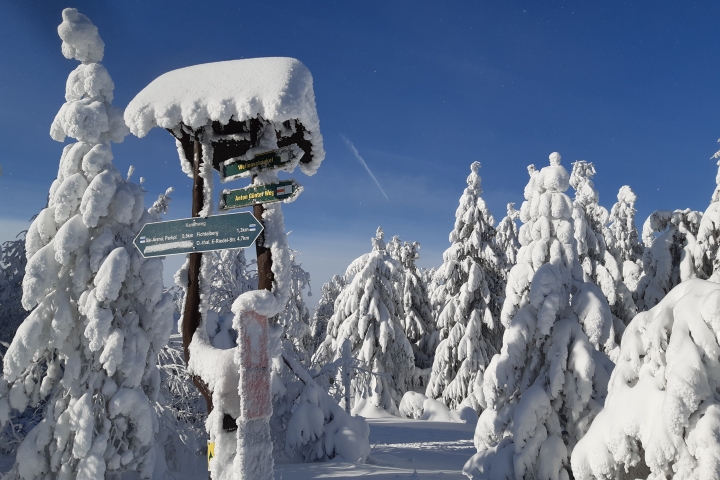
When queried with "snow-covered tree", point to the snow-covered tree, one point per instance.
{"points": [[670, 240], [89, 347], [598, 264], [308, 425], [417, 313], [231, 276], [295, 319], [366, 314], [662, 414], [548, 382], [507, 236], [325, 309], [705, 252], [182, 412], [12, 271], [623, 239], [471, 280]]}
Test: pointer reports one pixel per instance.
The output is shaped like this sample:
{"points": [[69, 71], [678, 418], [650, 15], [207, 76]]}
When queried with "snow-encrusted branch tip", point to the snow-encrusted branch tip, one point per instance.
{"points": [[80, 38]]}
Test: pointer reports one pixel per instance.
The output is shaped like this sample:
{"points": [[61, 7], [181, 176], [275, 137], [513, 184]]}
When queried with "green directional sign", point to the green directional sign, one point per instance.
{"points": [[235, 168], [285, 191], [219, 232]]}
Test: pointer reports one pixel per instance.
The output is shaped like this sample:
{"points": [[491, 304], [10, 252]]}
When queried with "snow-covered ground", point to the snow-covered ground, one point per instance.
{"points": [[401, 448]]}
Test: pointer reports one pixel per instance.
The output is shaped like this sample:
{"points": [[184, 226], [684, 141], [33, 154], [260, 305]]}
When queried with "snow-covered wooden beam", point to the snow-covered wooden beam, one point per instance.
{"points": [[241, 105]]}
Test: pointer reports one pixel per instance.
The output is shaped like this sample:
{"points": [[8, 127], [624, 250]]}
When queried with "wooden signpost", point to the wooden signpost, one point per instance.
{"points": [[236, 143]]}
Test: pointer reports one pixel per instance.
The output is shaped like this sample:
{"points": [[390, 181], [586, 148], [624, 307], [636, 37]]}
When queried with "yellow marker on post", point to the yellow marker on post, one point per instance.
{"points": [[211, 452]]}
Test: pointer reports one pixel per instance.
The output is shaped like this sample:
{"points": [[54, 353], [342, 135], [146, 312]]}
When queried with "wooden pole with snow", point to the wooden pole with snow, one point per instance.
{"points": [[191, 312], [251, 117]]}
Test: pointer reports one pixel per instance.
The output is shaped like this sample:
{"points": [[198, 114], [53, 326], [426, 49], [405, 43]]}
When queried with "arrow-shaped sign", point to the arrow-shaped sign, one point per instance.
{"points": [[238, 167], [219, 232], [285, 191]]}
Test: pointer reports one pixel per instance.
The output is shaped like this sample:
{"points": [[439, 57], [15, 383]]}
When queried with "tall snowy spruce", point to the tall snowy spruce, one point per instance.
{"points": [[471, 280], [366, 313], [295, 319], [599, 266], [670, 241], [705, 253], [662, 414], [89, 348], [417, 312], [325, 309], [507, 236], [623, 238], [549, 381]]}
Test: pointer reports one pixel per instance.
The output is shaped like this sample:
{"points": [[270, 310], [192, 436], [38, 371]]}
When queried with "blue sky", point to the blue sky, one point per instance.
{"points": [[422, 89]]}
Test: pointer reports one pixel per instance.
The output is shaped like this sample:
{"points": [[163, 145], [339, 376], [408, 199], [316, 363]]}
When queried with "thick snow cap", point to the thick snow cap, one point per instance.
{"points": [[80, 39], [276, 89]]}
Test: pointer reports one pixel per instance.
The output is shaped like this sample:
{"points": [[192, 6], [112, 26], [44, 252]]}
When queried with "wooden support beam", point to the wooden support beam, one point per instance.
{"points": [[191, 314]]}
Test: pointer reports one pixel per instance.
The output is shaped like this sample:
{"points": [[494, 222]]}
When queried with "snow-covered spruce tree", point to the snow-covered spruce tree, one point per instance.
{"points": [[295, 319], [507, 236], [662, 414], [232, 276], [182, 412], [90, 345], [548, 382], [670, 240], [598, 264], [12, 271], [417, 313], [308, 425], [365, 313], [623, 239], [472, 280], [705, 252], [229, 277], [325, 310]]}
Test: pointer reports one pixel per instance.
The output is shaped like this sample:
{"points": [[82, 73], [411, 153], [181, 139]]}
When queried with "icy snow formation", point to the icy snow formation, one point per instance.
{"points": [[470, 288], [662, 414], [367, 312], [89, 348], [87, 114], [548, 382], [277, 89]]}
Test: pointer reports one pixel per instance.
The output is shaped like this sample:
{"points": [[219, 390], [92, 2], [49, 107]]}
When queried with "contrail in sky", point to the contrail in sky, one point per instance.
{"points": [[360, 159]]}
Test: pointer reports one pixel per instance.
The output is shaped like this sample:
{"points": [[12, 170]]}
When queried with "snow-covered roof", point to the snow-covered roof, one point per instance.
{"points": [[274, 88]]}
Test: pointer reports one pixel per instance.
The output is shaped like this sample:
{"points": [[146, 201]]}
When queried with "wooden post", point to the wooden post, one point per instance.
{"points": [[264, 256], [191, 314]]}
